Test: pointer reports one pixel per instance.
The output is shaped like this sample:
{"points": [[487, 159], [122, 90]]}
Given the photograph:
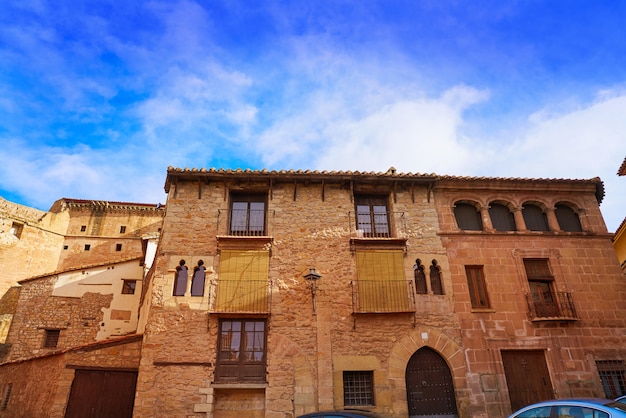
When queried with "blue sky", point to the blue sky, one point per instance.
{"points": [[98, 98]]}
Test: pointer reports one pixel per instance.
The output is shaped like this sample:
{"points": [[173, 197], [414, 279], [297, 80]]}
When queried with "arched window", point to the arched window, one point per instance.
{"points": [[197, 281], [501, 217], [420, 277], [435, 279], [180, 280], [568, 219], [534, 218], [468, 217]]}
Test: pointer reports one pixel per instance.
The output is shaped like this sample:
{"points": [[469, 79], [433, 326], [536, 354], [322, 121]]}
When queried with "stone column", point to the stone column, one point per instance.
{"points": [[553, 223], [520, 224], [484, 214]]}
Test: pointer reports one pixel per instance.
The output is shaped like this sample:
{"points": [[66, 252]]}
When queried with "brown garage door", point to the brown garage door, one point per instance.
{"points": [[102, 394]]}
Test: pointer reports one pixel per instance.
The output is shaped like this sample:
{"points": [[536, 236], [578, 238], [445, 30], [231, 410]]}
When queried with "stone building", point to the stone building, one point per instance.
{"points": [[276, 293], [619, 240]]}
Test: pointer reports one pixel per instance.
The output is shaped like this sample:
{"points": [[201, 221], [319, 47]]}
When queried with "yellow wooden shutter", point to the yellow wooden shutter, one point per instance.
{"points": [[243, 281], [381, 281]]}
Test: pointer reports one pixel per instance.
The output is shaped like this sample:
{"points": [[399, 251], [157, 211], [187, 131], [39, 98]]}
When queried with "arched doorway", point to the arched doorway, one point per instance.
{"points": [[429, 387]]}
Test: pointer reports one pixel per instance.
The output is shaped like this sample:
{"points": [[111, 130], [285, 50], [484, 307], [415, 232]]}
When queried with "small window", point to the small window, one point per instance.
{"points": [[5, 397], [16, 229], [468, 217], [118, 247], [180, 279], [51, 338], [122, 229], [477, 286], [87, 247], [197, 281], [83, 228], [65, 247], [420, 277], [612, 374], [247, 214], [568, 219], [501, 217], [358, 388], [128, 288], [534, 218], [435, 279]]}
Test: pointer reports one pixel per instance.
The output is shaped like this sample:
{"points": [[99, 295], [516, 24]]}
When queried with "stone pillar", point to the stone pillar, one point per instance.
{"points": [[323, 325], [520, 224], [484, 214], [553, 223]]}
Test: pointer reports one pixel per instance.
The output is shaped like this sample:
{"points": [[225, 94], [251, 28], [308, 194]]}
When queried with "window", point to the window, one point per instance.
{"points": [[565, 411], [180, 279], [241, 351], [477, 286], [372, 216], [51, 338], [118, 247], [87, 247], [468, 217], [122, 229], [540, 280], [65, 247], [247, 214], [534, 218], [16, 229], [5, 397], [612, 374], [420, 277], [358, 388], [381, 284], [243, 282], [435, 279], [568, 219], [128, 287], [197, 281], [502, 218], [83, 228]]}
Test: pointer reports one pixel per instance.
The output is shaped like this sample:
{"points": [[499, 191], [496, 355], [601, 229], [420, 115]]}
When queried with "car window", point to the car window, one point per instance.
{"points": [[580, 412], [538, 412]]}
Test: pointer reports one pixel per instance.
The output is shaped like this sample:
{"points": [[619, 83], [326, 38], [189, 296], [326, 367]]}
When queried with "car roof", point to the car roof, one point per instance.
{"points": [[354, 413], [590, 402]]}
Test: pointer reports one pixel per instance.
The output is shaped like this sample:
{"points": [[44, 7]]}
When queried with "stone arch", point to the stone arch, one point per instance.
{"points": [[442, 343]]}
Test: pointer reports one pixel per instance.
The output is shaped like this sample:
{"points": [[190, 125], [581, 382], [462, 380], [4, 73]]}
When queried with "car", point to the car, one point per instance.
{"points": [[621, 399], [347, 413], [573, 408]]}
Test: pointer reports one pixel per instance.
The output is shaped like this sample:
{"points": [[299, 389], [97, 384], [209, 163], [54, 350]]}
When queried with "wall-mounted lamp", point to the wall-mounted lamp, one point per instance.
{"points": [[312, 277]]}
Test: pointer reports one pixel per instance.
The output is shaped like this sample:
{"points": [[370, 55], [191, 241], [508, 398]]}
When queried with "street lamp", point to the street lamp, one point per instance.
{"points": [[312, 277]]}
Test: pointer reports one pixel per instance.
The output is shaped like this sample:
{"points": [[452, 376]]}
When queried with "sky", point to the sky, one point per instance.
{"points": [[98, 98]]}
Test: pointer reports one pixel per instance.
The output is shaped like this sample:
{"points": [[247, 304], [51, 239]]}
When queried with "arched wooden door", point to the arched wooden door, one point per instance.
{"points": [[429, 387]]}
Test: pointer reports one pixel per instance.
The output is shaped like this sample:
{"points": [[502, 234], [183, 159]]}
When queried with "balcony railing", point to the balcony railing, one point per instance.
{"points": [[560, 308], [394, 228], [244, 223], [383, 296], [242, 296]]}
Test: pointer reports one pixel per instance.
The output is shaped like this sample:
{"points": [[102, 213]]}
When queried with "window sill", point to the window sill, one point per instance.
{"points": [[483, 310], [239, 385]]}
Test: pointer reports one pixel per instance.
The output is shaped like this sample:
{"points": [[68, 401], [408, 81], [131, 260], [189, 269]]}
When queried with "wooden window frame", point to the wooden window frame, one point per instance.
{"points": [[240, 224], [479, 296], [232, 365], [129, 287], [372, 215]]}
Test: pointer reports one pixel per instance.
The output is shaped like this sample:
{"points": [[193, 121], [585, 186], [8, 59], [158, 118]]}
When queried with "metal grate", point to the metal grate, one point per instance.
{"points": [[612, 377], [52, 338], [358, 388]]}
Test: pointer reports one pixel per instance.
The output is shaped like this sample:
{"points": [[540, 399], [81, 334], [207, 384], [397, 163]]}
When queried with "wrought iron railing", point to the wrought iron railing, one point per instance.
{"points": [[383, 296], [244, 223], [557, 306], [383, 226], [242, 296]]}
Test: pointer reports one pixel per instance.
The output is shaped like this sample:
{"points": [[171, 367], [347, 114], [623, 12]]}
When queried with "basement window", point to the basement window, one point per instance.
{"points": [[51, 338], [613, 376], [358, 388], [6, 395]]}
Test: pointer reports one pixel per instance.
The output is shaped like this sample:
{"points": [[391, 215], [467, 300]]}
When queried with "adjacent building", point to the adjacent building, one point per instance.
{"points": [[277, 293]]}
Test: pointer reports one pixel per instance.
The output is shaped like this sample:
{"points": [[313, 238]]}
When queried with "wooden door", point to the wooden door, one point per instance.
{"points": [[102, 394], [429, 387], [527, 377]]}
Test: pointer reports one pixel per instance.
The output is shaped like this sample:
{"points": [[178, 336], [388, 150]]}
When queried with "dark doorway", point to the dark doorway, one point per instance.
{"points": [[527, 377], [429, 387], [102, 394]]}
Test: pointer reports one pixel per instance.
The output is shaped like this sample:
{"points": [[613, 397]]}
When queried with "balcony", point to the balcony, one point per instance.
{"points": [[382, 228], [557, 306], [244, 223], [242, 296], [383, 296]]}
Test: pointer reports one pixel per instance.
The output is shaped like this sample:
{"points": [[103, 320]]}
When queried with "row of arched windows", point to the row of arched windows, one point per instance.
{"points": [[498, 216], [197, 280]]}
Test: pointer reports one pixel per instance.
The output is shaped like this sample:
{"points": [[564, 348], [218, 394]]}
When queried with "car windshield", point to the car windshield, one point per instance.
{"points": [[617, 405]]}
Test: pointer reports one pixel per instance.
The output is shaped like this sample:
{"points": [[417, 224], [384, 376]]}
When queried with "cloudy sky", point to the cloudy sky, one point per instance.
{"points": [[98, 98]]}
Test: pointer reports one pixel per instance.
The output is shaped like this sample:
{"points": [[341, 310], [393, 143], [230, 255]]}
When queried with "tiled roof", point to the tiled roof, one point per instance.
{"points": [[390, 174], [103, 204], [622, 169]]}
